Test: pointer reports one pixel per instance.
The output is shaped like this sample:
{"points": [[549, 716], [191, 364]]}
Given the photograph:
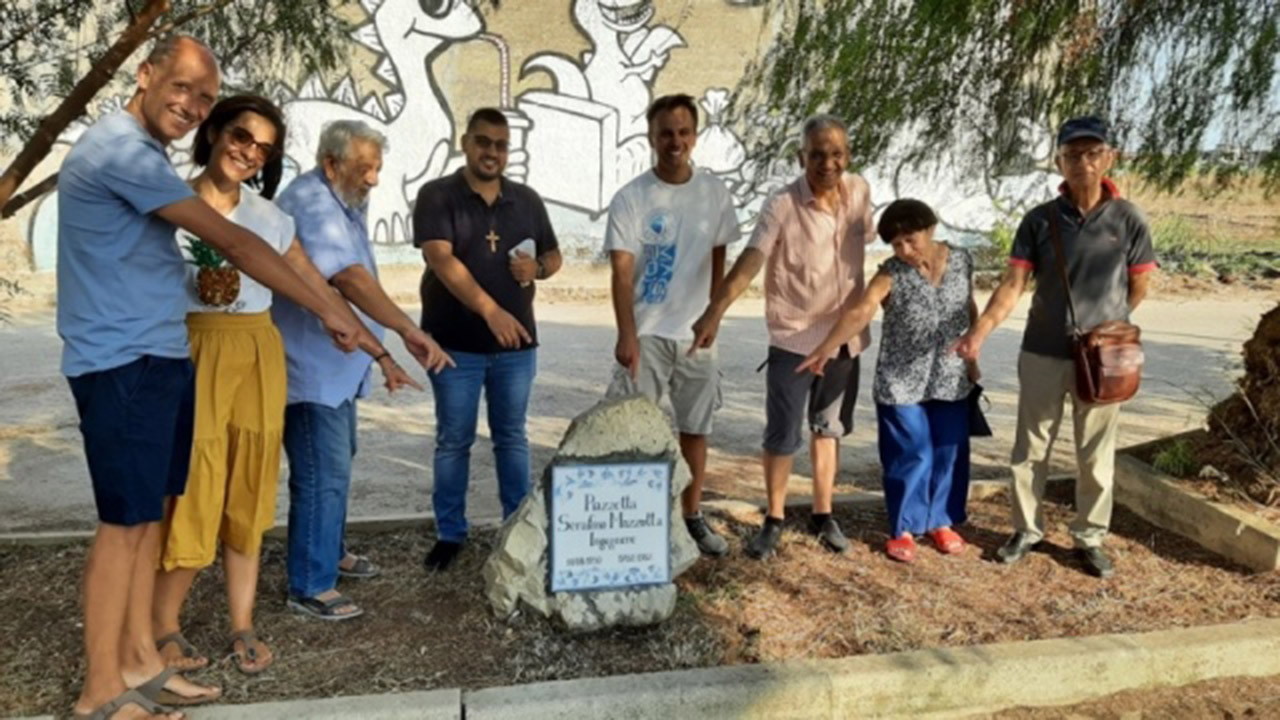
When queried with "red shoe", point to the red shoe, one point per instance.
{"points": [[947, 540], [902, 549]]}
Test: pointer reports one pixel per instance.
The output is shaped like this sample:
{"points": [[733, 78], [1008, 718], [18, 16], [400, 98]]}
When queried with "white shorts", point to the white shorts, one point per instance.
{"points": [[692, 380]]}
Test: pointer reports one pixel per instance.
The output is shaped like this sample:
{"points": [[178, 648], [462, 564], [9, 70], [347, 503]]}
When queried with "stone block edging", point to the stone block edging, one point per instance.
{"points": [[937, 683], [1228, 531]]}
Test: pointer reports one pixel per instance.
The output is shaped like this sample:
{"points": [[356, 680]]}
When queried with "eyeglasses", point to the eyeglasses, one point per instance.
{"points": [[242, 138], [485, 143], [1094, 156]]}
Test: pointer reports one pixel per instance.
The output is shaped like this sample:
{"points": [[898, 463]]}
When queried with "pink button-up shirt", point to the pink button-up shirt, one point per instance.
{"points": [[813, 266]]}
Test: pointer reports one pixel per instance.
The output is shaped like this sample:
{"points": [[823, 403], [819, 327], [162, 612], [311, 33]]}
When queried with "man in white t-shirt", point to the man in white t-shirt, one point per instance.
{"points": [[666, 240]]}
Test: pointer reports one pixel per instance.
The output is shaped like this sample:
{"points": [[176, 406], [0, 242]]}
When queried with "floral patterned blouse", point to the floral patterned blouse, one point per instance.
{"points": [[920, 324]]}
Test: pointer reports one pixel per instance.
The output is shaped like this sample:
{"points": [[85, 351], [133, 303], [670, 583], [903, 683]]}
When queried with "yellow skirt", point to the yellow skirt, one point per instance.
{"points": [[241, 388]]}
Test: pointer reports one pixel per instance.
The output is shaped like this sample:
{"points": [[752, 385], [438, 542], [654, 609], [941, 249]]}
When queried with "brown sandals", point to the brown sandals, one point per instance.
{"points": [[188, 651], [155, 691], [128, 697], [244, 659]]}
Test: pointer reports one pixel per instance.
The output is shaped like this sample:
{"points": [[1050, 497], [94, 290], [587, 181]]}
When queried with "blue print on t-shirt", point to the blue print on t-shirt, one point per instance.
{"points": [[659, 264], [659, 256]]}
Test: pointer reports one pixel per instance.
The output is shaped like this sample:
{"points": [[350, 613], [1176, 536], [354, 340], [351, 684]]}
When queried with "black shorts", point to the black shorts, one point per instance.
{"points": [[791, 398], [136, 421]]}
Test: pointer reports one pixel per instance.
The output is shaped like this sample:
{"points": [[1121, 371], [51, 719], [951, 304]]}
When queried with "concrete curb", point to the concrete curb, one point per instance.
{"points": [[1230, 532], [427, 705], [953, 682], [932, 683]]}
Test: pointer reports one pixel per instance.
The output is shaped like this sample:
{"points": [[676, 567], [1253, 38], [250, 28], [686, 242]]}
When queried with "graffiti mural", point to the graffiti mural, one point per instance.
{"points": [[596, 113], [577, 115], [408, 35]]}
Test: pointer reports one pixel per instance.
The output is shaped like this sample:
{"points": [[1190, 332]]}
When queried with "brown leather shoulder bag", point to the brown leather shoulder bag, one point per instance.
{"points": [[1108, 358]]}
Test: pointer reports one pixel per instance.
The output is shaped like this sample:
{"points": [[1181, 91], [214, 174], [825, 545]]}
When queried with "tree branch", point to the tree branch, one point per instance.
{"points": [[74, 104], [22, 199], [184, 19]]}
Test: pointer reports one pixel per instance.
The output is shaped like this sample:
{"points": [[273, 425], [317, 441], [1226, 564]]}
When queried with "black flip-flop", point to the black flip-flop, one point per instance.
{"points": [[325, 609]]}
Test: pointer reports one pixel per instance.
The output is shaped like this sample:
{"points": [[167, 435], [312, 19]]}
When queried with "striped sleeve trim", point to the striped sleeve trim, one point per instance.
{"points": [[1142, 268], [1022, 263]]}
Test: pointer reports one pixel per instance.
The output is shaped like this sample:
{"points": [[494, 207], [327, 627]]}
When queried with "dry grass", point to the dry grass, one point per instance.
{"points": [[424, 632], [1227, 698]]}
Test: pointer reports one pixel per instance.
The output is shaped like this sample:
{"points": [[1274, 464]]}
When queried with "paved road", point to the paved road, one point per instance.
{"points": [[1193, 351]]}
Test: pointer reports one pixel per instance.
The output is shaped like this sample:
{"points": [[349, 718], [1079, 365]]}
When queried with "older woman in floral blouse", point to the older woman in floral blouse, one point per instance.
{"points": [[921, 388]]}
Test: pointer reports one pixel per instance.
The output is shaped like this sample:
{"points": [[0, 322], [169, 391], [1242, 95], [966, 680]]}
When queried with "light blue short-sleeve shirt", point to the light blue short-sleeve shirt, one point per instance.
{"points": [[335, 238], [120, 273]]}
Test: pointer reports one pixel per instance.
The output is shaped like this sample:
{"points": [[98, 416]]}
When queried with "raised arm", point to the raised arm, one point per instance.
{"points": [[460, 283], [363, 289], [248, 252], [298, 261], [852, 321], [999, 306], [745, 268], [395, 376]]}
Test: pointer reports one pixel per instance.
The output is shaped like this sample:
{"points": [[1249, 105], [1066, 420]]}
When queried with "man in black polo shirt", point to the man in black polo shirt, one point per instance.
{"points": [[1108, 257], [486, 240]]}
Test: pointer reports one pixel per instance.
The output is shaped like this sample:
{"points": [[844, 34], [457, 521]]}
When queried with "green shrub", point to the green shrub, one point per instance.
{"points": [[1177, 459]]}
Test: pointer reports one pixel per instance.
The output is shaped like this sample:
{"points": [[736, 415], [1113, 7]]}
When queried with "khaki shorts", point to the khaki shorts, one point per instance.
{"points": [[692, 380]]}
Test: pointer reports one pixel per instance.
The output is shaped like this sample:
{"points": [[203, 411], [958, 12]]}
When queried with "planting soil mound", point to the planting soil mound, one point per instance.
{"points": [[1247, 424]]}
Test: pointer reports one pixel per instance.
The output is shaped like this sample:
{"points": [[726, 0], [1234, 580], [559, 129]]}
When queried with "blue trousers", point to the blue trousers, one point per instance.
{"points": [[924, 450], [506, 379], [320, 442]]}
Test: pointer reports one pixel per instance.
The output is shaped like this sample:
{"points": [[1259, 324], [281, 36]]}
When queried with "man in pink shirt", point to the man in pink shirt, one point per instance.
{"points": [[810, 240]]}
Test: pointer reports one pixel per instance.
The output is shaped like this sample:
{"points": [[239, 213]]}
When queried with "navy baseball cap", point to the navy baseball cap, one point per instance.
{"points": [[1081, 128]]}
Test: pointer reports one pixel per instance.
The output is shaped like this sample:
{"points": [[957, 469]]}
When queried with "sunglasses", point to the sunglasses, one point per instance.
{"points": [[242, 138], [486, 143]]}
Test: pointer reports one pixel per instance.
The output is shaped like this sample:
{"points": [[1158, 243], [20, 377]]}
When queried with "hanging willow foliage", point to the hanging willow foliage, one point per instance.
{"points": [[980, 78]]}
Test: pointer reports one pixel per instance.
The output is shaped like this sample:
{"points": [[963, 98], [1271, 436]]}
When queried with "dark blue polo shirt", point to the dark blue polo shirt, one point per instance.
{"points": [[448, 209], [1103, 249]]}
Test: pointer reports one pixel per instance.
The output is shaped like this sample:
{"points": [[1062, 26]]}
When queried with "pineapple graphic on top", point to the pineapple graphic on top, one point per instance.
{"points": [[217, 283]]}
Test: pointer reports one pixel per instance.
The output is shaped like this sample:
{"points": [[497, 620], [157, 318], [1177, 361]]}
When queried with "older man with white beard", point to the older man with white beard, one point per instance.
{"points": [[329, 206]]}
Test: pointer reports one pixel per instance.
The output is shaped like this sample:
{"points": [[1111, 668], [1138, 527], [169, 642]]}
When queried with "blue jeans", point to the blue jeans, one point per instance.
{"points": [[924, 450], [507, 379], [320, 442]]}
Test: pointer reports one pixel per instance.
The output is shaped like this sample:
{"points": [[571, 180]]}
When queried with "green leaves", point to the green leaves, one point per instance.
{"points": [[203, 255], [977, 79]]}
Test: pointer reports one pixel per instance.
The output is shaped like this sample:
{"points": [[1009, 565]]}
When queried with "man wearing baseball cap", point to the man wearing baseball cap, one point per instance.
{"points": [[1108, 253]]}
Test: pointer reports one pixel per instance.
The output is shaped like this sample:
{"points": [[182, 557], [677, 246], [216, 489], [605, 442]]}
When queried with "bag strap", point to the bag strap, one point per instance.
{"points": [[1061, 260]]}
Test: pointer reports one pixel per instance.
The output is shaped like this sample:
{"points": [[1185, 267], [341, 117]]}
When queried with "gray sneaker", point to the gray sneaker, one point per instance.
{"points": [[831, 537], [709, 543], [765, 542]]}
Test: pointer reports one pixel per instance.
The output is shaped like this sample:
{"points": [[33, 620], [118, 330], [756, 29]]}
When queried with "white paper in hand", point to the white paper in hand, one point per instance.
{"points": [[525, 247]]}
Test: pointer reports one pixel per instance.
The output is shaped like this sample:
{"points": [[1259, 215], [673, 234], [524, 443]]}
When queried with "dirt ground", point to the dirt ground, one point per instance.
{"points": [[1207, 451], [727, 613], [1224, 699]]}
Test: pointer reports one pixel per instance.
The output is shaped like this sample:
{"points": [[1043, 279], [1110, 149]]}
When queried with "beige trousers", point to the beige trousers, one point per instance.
{"points": [[1044, 384]]}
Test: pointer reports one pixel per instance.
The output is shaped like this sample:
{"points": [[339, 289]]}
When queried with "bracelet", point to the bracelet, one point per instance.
{"points": [[385, 353]]}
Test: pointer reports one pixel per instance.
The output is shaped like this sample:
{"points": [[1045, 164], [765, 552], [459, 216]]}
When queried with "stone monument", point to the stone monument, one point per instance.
{"points": [[609, 524]]}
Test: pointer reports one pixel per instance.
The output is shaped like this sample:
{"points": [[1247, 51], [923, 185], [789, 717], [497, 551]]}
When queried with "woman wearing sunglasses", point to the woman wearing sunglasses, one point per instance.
{"points": [[240, 384]]}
